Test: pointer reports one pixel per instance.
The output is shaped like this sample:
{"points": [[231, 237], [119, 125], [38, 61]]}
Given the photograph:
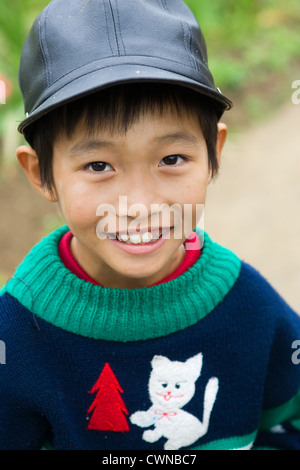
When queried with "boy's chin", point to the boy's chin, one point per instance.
{"points": [[142, 277], [137, 276]]}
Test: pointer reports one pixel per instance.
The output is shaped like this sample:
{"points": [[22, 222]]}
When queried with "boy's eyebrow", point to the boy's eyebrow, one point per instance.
{"points": [[90, 145], [178, 136]]}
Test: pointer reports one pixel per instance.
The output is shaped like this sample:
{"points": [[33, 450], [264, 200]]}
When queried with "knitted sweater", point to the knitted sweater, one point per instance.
{"points": [[204, 361]]}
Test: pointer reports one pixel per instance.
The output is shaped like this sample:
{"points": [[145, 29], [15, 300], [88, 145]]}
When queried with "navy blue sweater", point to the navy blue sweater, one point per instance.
{"points": [[206, 361]]}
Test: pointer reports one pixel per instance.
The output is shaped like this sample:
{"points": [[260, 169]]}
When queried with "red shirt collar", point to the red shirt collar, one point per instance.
{"points": [[192, 253]]}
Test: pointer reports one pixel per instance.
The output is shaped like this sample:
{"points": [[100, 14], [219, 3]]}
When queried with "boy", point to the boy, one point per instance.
{"points": [[125, 330]]}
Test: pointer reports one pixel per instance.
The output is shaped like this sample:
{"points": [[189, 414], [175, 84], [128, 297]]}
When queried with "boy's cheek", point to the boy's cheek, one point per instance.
{"points": [[77, 210], [82, 213]]}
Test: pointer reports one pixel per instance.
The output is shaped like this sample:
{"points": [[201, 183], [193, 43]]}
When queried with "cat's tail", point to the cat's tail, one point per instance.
{"points": [[210, 395]]}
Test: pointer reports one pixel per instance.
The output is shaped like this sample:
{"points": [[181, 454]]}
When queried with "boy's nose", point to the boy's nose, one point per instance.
{"points": [[141, 189]]}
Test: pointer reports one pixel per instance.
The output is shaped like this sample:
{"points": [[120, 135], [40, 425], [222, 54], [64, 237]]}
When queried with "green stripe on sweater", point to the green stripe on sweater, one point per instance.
{"points": [[49, 290], [230, 443], [288, 411]]}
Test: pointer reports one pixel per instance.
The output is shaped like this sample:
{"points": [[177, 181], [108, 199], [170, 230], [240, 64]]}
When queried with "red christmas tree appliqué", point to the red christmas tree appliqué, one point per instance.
{"points": [[108, 407]]}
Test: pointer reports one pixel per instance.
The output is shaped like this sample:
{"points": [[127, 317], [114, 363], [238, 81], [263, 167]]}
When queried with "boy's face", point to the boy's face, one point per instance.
{"points": [[98, 180]]}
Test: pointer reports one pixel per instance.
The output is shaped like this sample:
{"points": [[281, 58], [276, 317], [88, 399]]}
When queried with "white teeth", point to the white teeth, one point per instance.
{"points": [[147, 237], [124, 237], [136, 238]]}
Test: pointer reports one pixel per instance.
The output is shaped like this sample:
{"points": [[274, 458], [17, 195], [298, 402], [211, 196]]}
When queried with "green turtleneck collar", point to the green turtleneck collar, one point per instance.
{"points": [[50, 291]]}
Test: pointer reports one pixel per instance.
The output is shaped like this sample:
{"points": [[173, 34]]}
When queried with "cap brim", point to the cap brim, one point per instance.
{"points": [[115, 75]]}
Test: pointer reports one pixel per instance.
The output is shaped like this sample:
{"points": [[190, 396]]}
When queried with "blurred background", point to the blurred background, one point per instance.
{"points": [[253, 204]]}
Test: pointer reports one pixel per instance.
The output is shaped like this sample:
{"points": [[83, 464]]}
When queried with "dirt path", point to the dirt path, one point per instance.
{"points": [[252, 207], [24, 219]]}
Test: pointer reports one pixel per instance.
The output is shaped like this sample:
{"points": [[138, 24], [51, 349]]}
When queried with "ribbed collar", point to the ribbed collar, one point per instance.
{"points": [[50, 291]]}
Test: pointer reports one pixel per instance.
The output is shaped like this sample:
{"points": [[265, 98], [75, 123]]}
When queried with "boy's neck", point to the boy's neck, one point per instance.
{"points": [[107, 277]]}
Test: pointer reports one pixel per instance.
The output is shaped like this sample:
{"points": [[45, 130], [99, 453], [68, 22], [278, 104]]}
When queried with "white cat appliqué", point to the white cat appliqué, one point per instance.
{"points": [[171, 386]]}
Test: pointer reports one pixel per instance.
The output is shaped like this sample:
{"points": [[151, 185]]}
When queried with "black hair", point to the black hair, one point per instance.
{"points": [[115, 109]]}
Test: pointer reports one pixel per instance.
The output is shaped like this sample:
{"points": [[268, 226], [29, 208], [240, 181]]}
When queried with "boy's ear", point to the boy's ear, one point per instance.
{"points": [[29, 161], [222, 135], [221, 139]]}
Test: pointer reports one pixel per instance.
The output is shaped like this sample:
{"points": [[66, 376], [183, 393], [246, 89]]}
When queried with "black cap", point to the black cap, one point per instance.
{"points": [[78, 47]]}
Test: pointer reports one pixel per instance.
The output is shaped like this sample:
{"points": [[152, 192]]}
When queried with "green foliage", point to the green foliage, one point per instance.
{"points": [[15, 21], [16, 17], [249, 41]]}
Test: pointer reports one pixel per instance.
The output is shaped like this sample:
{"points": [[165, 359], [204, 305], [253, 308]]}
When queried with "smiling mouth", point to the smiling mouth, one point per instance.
{"points": [[139, 238]]}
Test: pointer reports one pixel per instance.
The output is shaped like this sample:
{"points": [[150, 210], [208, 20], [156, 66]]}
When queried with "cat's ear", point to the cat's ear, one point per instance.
{"points": [[159, 361], [195, 365]]}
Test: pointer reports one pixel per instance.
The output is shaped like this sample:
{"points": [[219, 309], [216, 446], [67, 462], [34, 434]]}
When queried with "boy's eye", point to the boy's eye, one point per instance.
{"points": [[172, 160], [99, 166]]}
